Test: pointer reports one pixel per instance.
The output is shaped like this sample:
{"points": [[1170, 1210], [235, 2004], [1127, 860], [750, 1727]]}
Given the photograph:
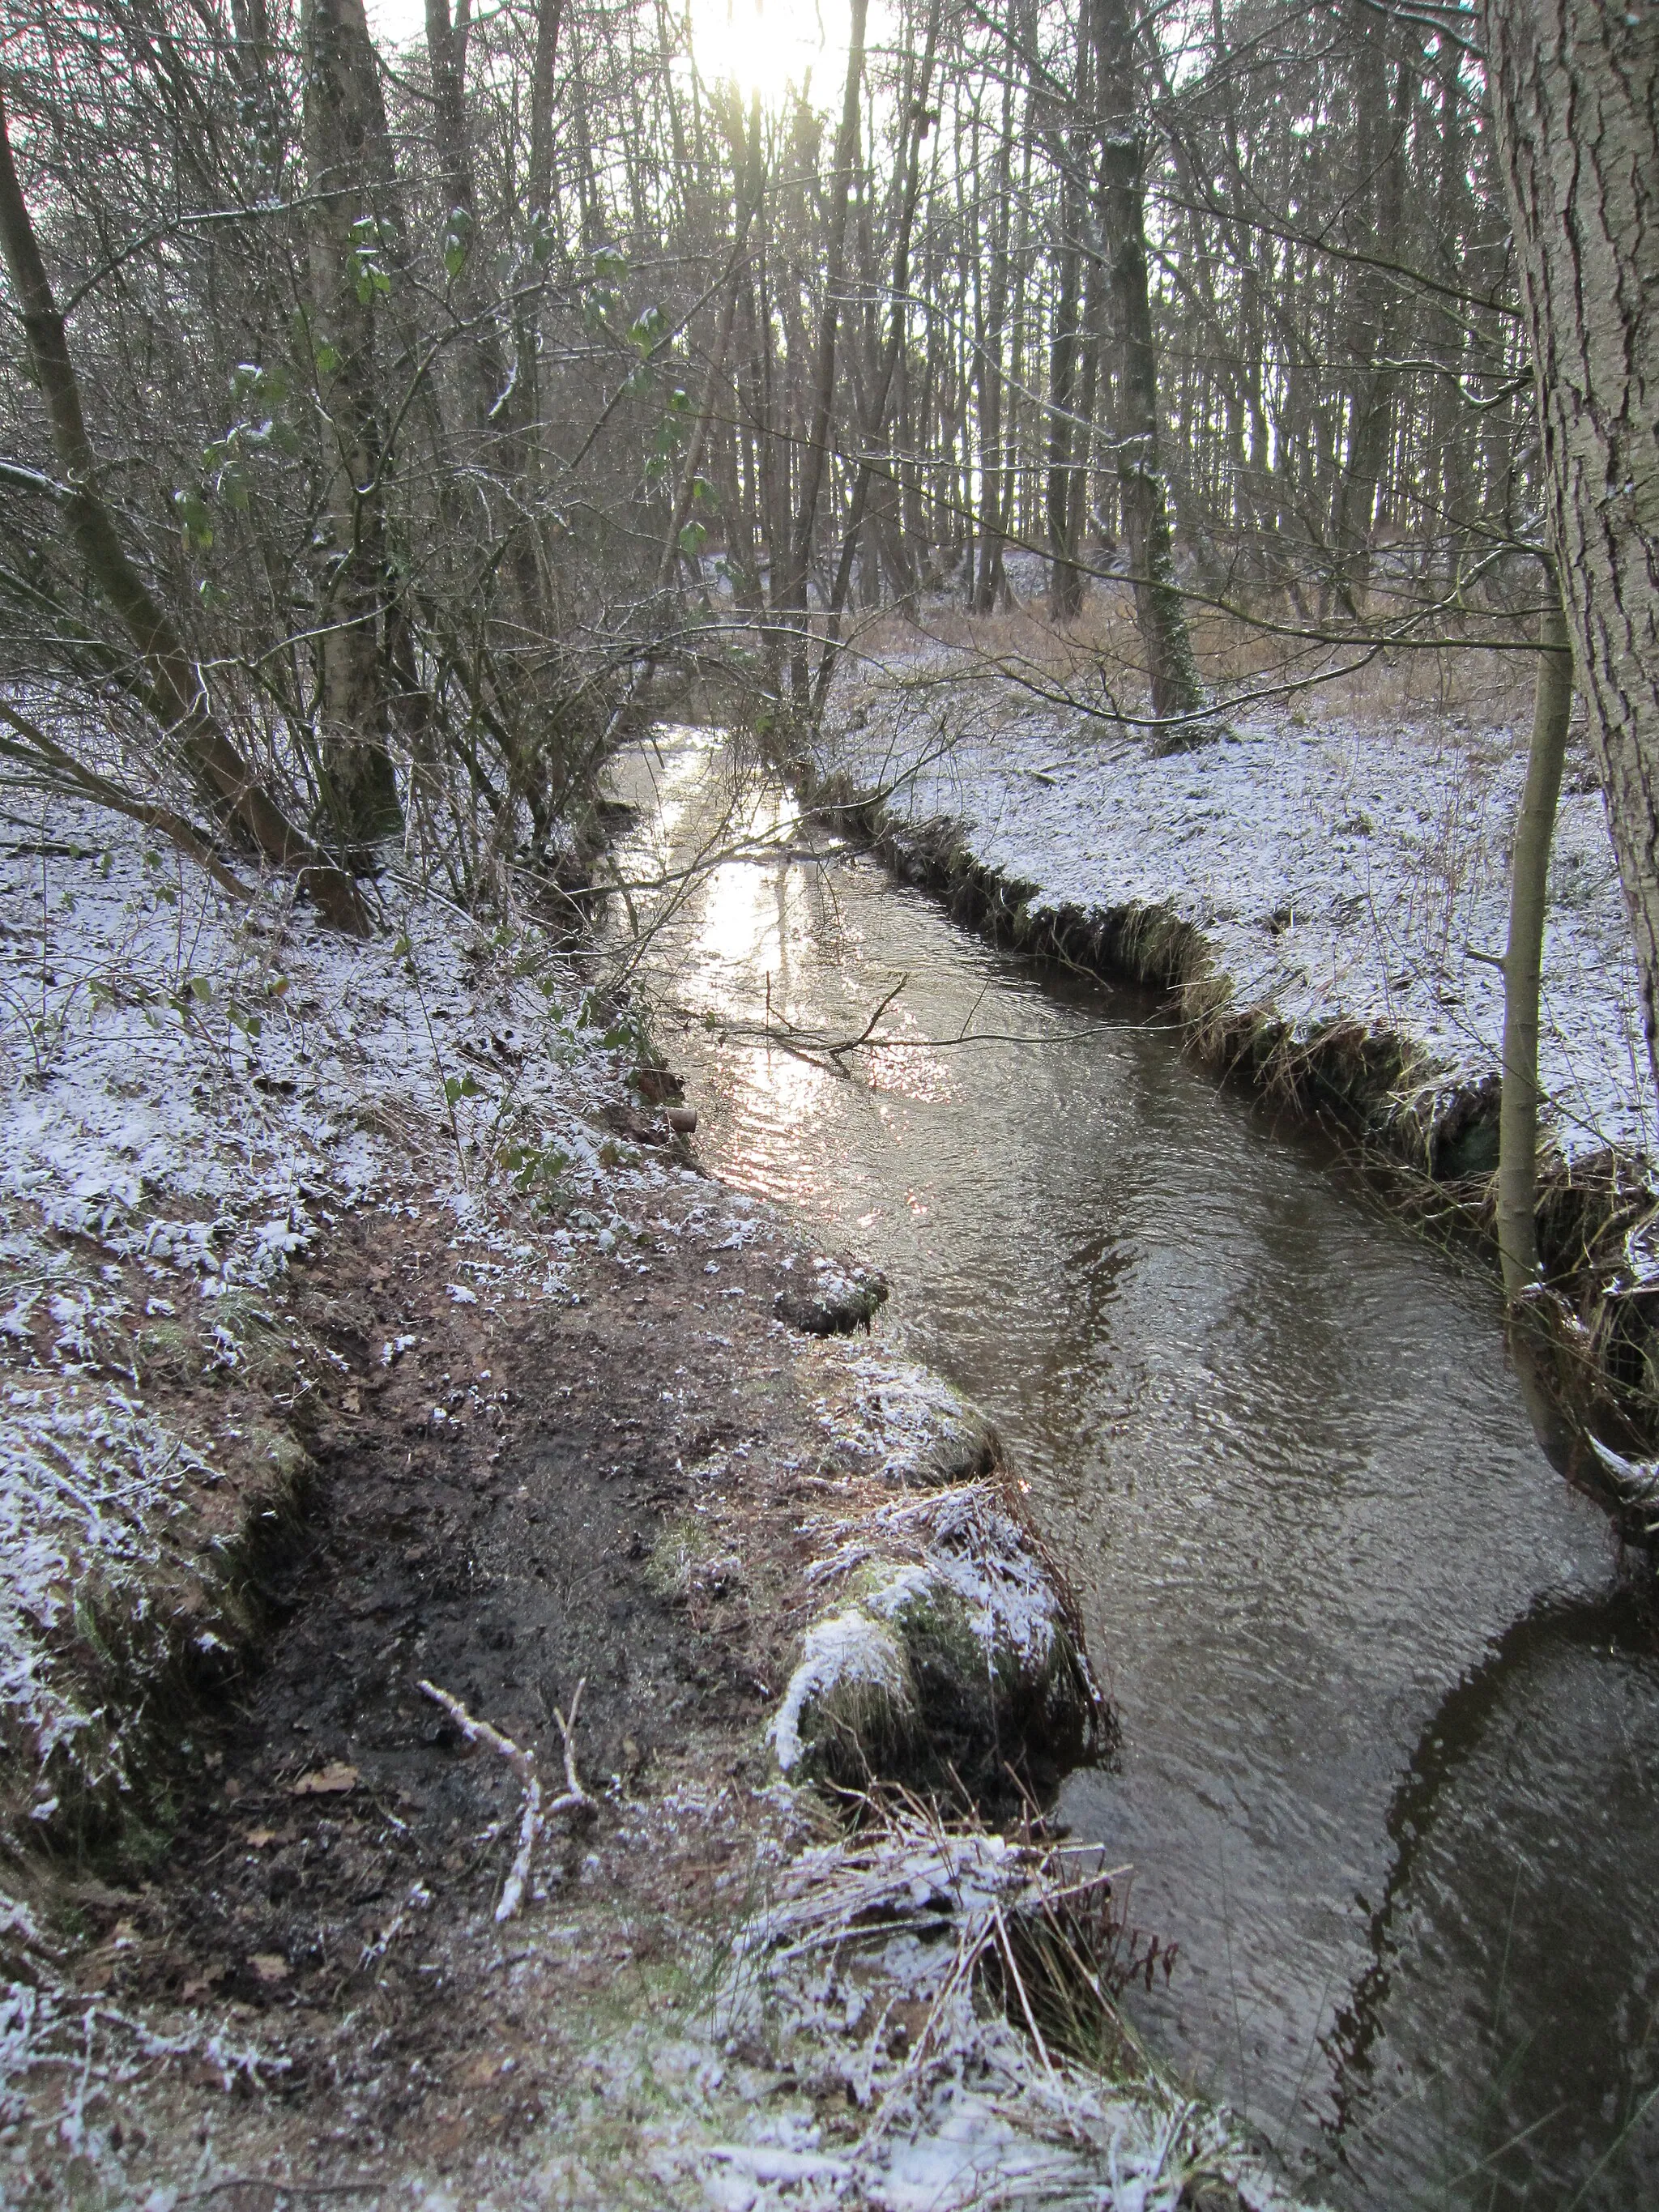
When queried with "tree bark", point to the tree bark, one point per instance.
{"points": [[1574, 90], [1177, 693], [824, 369], [179, 697], [1523, 958], [1064, 581], [1373, 307], [344, 122]]}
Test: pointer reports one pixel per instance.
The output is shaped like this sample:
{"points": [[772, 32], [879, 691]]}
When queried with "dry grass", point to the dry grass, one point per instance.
{"points": [[1098, 660]]}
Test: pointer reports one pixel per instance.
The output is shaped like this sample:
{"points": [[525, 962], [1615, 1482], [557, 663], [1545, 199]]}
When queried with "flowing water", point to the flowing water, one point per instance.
{"points": [[1390, 1762]]}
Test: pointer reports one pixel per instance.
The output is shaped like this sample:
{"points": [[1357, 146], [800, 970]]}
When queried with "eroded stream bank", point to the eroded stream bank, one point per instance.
{"points": [[1391, 1717]]}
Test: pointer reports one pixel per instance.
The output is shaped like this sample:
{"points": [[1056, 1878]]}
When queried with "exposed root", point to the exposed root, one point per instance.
{"points": [[534, 1814]]}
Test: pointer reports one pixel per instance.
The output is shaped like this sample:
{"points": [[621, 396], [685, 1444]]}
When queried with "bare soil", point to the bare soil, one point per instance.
{"points": [[526, 1503]]}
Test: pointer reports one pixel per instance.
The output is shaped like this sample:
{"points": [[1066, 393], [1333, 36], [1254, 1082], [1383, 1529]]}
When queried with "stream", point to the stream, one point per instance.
{"points": [[1389, 1775]]}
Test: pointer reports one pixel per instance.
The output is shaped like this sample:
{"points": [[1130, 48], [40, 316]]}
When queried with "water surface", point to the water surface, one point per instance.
{"points": [[1391, 1727]]}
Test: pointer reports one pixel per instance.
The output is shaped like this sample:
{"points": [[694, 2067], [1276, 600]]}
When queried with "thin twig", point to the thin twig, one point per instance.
{"points": [[523, 1764]]}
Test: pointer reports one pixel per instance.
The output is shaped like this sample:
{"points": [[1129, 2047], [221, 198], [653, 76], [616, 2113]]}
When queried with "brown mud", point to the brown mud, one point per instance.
{"points": [[604, 1497]]}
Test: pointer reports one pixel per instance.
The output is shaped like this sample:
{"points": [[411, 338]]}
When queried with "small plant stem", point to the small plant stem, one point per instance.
{"points": [[1517, 1138]]}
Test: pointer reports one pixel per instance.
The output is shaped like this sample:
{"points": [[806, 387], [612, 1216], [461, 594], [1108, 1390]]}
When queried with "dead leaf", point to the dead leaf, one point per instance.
{"points": [[333, 1780], [256, 1838], [353, 1399], [199, 1985], [479, 2072], [268, 1966]]}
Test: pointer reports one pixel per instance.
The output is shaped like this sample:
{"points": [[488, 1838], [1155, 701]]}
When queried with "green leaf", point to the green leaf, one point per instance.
{"points": [[457, 241], [194, 523], [646, 333], [693, 538]]}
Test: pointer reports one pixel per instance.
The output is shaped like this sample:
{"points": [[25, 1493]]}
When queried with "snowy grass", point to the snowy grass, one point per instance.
{"points": [[192, 1094], [1337, 873], [893, 1973]]}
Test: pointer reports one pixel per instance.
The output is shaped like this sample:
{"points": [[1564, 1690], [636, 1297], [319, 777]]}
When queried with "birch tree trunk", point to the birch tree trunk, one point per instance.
{"points": [[1575, 91]]}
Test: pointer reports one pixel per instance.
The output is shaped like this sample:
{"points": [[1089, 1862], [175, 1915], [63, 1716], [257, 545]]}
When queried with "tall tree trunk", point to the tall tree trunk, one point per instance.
{"points": [[813, 457], [464, 247], [1064, 582], [176, 692], [344, 125], [1574, 90], [540, 239], [874, 423], [1177, 693], [1524, 956], [1374, 305]]}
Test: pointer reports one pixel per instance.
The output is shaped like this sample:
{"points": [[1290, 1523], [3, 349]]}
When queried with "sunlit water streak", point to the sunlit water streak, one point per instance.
{"points": [[1391, 1733]]}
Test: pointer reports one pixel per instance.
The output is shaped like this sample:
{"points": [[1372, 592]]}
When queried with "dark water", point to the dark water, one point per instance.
{"points": [[1390, 1773]]}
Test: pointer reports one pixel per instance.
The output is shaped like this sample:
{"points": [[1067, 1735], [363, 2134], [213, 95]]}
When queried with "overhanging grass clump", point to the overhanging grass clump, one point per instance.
{"points": [[958, 1669]]}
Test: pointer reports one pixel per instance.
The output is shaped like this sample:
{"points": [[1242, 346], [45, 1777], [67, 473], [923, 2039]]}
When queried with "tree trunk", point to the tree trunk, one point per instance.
{"points": [[344, 120], [823, 372], [874, 424], [1523, 958], [1177, 693], [464, 248], [1065, 583], [1374, 304], [176, 691], [1575, 89]]}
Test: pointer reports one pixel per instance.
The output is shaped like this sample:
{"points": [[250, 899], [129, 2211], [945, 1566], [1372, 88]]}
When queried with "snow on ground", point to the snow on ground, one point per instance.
{"points": [[190, 1094], [1334, 871], [195, 1093]]}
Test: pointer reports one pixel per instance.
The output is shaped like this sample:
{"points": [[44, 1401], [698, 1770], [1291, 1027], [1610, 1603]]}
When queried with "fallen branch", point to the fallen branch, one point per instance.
{"points": [[523, 1764]]}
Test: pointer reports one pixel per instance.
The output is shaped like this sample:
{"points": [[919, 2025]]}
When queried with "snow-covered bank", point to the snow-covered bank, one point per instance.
{"points": [[1336, 875], [1325, 877], [214, 1116], [195, 1095]]}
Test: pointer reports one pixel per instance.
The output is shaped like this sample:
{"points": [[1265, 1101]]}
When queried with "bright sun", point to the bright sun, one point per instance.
{"points": [[765, 47]]}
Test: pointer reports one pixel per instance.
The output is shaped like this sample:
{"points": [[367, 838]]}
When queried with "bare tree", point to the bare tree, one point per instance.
{"points": [[169, 682]]}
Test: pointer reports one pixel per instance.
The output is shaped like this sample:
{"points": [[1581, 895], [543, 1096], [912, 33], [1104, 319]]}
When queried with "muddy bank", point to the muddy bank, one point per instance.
{"points": [[1592, 1343], [639, 1502], [379, 1363]]}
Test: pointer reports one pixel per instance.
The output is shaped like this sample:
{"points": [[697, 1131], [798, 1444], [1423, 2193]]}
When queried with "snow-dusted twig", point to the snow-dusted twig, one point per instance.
{"points": [[523, 1764]]}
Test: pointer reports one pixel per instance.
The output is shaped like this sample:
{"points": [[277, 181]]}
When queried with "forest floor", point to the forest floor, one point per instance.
{"points": [[1342, 865], [364, 1331]]}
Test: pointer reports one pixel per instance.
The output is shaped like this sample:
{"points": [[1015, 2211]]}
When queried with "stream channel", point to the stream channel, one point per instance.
{"points": [[1389, 1774]]}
